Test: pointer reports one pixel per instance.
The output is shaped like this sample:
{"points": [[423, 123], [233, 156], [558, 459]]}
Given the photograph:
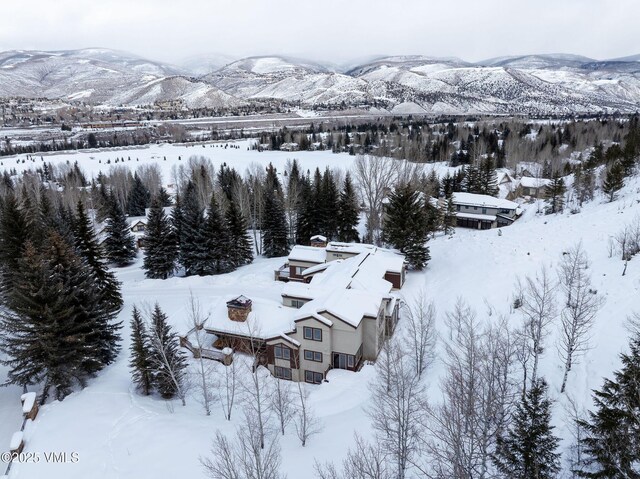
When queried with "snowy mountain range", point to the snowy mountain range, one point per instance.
{"points": [[531, 84]]}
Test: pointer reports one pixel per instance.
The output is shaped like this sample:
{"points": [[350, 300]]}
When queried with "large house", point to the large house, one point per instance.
{"points": [[301, 258], [336, 317], [484, 211]]}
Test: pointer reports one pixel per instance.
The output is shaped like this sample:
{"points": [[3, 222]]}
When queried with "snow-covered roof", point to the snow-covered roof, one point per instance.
{"points": [[267, 318], [474, 216], [319, 238], [307, 254], [350, 248], [530, 182], [471, 199], [349, 305]]}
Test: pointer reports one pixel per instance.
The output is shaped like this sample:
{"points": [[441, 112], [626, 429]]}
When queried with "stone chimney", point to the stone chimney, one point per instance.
{"points": [[318, 241], [239, 308]]}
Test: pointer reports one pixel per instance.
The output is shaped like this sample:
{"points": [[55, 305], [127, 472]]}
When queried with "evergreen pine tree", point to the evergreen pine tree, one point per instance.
{"points": [[140, 363], [216, 237], [160, 244], [193, 248], [139, 198], [405, 226], [614, 181], [328, 205], [448, 215], [57, 333], [240, 248], [348, 212], [119, 245], [89, 250], [612, 432], [13, 238], [554, 193], [274, 228], [168, 362], [305, 226], [527, 450]]}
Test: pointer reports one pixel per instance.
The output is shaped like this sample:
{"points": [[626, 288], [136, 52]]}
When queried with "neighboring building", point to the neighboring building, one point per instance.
{"points": [[289, 147], [530, 186], [336, 318], [483, 211]]}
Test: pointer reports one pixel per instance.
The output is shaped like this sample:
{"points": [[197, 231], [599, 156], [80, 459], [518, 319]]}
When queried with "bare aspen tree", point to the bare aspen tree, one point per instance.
{"points": [[255, 175], [537, 306], [306, 422], [151, 177], [478, 389], [364, 461], [227, 388], [248, 456], [282, 403], [197, 320], [375, 176], [257, 386], [574, 416], [420, 331], [202, 173], [397, 409], [580, 308]]}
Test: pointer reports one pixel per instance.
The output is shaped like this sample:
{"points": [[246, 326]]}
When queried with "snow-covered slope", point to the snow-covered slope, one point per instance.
{"points": [[101, 76], [536, 84], [119, 433]]}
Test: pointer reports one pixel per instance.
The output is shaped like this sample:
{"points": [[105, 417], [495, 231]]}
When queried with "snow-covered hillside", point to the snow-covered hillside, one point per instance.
{"points": [[102, 76], [537, 84], [119, 433]]}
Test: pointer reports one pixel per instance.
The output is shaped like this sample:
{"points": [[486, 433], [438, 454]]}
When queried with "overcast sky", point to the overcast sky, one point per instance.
{"points": [[328, 30]]}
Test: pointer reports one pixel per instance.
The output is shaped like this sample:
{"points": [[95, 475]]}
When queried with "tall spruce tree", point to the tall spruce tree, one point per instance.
{"points": [[274, 227], [160, 244], [13, 238], [193, 247], [406, 225], [240, 248], [140, 363], [139, 198], [168, 362], [91, 253], [612, 432], [348, 212], [57, 332], [119, 245], [614, 181], [216, 237], [527, 450], [328, 204], [554, 194]]}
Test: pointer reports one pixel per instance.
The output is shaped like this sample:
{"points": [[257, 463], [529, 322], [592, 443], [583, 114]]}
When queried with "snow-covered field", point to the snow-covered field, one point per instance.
{"points": [[120, 434], [170, 155]]}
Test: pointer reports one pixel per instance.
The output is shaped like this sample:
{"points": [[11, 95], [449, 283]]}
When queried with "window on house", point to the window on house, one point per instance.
{"points": [[297, 303], [457, 207], [484, 211], [282, 352], [350, 360], [312, 355], [282, 373], [313, 334], [300, 269], [313, 377], [505, 211]]}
